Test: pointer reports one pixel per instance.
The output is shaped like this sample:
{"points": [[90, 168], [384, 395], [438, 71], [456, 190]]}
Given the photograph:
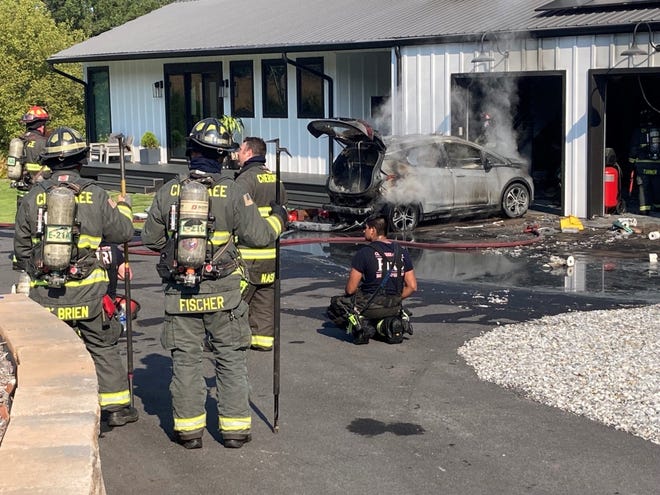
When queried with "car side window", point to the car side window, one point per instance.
{"points": [[427, 155], [462, 156]]}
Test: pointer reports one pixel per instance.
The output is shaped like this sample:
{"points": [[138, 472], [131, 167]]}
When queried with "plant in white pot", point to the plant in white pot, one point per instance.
{"points": [[150, 149]]}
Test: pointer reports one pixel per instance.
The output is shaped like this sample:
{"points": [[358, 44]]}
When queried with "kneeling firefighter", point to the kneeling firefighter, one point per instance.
{"points": [[193, 223], [381, 277], [59, 226]]}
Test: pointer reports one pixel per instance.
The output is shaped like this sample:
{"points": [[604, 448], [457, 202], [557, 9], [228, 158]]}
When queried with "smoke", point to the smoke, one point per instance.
{"points": [[496, 97]]}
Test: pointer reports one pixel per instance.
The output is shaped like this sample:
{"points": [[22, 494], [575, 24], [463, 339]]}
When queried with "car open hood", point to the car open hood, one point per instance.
{"points": [[346, 131]]}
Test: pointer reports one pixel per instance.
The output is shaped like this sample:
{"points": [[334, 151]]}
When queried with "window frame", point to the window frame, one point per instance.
{"points": [[268, 111], [234, 67], [305, 78]]}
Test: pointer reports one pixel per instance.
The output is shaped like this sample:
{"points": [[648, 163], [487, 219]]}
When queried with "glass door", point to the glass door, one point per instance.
{"points": [[192, 93]]}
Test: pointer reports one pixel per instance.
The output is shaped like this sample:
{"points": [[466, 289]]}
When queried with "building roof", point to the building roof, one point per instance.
{"points": [[212, 27]]}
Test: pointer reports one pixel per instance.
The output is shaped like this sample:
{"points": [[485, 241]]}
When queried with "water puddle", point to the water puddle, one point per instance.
{"points": [[630, 279]]}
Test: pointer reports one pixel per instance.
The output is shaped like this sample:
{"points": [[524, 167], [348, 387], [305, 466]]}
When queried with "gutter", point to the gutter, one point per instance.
{"points": [[331, 97], [51, 65]]}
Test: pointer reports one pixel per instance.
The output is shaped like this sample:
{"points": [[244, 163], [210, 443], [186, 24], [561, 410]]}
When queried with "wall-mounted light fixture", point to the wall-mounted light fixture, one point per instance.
{"points": [[223, 88], [634, 49], [157, 91], [483, 56]]}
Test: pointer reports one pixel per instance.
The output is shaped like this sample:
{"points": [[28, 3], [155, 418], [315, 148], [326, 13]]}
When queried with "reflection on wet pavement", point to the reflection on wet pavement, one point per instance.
{"points": [[595, 275]]}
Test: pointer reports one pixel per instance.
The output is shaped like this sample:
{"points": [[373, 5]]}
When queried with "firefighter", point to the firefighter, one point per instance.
{"points": [[381, 277], [259, 181], [59, 226], [193, 223], [644, 156], [33, 143]]}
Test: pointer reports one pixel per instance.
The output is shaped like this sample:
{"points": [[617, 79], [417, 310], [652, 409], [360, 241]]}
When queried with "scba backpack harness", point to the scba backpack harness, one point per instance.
{"points": [[391, 327], [189, 256], [55, 258]]}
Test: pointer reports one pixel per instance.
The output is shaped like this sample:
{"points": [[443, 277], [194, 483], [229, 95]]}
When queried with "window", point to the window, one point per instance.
{"points": [[242, 88], [310, 89], [100, 124], [274, 88], [461, 156], [191, 94]]}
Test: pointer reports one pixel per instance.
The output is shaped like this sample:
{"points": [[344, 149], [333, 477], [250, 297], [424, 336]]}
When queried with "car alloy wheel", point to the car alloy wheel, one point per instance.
{"points": [[515, 200], [403, 217]]}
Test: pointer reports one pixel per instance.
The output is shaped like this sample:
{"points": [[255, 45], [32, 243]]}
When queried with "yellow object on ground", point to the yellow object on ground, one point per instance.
{"points": [[570, 224]]}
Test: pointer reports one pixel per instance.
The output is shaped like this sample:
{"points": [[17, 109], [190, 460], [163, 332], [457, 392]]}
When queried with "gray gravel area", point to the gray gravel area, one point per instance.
{"points": [[599, 364]]}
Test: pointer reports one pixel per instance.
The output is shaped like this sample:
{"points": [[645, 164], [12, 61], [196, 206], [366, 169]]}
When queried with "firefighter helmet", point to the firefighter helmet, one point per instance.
{"points": [[209, 136], [65, 148], [35, 114]]}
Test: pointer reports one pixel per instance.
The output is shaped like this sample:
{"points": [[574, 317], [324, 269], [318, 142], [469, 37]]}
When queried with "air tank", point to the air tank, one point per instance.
{"points": [[193, 220], [58, 235], [14, 158]]}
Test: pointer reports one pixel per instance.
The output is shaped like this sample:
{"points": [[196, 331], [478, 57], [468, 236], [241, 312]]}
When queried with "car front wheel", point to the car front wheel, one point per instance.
{"points": [[403, 217], [515, 200]]}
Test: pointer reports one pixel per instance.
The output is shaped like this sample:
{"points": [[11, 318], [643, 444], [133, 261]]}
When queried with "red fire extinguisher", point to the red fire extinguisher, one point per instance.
{"points": [[612, 181]]}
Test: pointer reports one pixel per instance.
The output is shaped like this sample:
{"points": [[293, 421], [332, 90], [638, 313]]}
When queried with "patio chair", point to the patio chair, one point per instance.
{"points": [[111, 148]]}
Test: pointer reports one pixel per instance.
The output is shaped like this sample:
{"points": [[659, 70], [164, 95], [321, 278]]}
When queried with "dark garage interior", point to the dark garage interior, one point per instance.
{"points": [[526, 112]]}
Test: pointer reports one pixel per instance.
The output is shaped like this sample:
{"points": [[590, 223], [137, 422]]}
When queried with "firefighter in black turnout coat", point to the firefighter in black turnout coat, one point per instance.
{"points": [[259, 181], [645, 157], [193, 223], [59, 225]]}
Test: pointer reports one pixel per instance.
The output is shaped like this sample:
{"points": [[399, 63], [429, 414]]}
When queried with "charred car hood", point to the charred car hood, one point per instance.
{"points": [[346, 131]]}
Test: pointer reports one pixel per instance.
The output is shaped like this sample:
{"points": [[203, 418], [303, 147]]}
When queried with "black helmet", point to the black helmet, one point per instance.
{"points": [[65, 148], [209, 137]]}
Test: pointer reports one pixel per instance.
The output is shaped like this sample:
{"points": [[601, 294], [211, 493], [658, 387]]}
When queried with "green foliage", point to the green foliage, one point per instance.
{"points": [[233, 125], [96, 16], [28, 37], [149, 140]]}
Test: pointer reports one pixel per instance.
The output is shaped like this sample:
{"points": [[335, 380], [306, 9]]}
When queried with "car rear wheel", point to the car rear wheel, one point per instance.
{"points": [[403, 217], [515, 200]]}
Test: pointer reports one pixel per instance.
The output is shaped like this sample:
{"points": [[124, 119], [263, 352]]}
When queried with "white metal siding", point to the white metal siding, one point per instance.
{"points": [[424, 100]]}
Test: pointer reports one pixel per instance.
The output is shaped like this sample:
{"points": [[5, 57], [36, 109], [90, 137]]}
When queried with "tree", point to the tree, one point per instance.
{"points": [[96, 16], [28, 37]]}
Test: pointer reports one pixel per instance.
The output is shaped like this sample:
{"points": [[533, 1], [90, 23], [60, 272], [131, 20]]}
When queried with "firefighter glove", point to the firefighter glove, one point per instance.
{"points": [[280, 212]]}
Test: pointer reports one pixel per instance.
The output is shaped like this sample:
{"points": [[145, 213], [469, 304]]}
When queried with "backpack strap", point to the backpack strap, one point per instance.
{"points": [[397, 261]]}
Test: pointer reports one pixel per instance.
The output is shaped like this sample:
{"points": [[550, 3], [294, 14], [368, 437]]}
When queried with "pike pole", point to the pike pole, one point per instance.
{"points": [[128, 302], [276, 309]]}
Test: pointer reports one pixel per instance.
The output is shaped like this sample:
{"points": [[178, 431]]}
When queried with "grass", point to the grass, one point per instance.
{"points": [[8, 201]]}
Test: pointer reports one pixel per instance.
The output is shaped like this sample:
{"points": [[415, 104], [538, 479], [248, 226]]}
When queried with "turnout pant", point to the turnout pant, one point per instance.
{"points": [[101, 338], [261, 299], [229, 334]]}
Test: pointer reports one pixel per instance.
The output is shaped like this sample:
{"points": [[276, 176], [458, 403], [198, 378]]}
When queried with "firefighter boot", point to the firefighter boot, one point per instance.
{"points": [[235, 441], [190, 440], [122, 416]]}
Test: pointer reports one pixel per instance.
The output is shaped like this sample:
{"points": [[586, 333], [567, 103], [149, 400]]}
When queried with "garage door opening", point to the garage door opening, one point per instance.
{"points": [[618, 99], [520, 115]]}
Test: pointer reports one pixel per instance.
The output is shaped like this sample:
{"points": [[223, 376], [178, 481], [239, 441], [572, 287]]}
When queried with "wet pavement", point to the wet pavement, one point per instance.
{"points": [[412, 418], [606, 262]]}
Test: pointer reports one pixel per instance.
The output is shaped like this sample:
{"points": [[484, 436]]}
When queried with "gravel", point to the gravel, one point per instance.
{"points": [[603, 365]]}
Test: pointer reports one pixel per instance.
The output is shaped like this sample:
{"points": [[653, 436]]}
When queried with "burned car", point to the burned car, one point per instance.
{"points": [[411, 178]]}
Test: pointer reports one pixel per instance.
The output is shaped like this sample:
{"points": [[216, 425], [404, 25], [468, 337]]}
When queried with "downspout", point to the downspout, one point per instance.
{"points": [[85, 88], [398, 101], [331, 96]]}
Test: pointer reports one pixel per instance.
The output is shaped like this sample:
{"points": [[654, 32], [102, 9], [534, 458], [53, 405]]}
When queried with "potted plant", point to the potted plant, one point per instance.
{"points": [[150, 149], [233, 125]]}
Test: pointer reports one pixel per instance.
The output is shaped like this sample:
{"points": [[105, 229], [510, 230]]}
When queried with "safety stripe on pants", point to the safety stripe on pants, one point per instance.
{"points": [[262, 341], [121, 398], [235, 424], [190, 424]]}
